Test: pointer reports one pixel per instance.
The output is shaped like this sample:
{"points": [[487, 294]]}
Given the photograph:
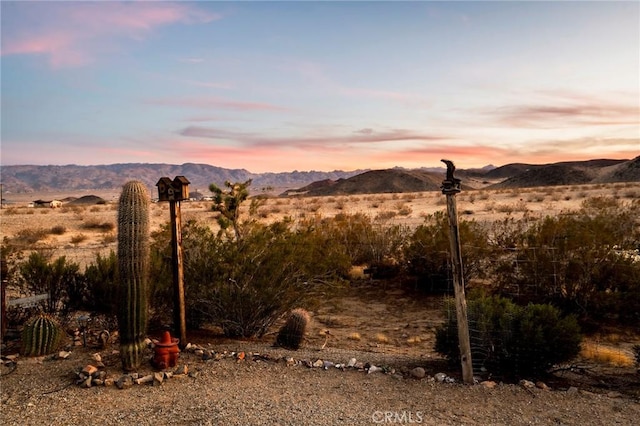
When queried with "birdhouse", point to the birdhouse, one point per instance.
{"points": [[173, 190]]}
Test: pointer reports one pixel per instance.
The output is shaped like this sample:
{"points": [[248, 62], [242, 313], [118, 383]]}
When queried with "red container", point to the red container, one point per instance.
{"points": [[166, 352]]}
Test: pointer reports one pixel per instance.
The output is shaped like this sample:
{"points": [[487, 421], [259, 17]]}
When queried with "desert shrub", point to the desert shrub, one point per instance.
{"points": [[58, 230], [100, 283], [509, 340], [29, 236], [578, 263], [366, 241], [78, 238], [99, 226], [59, 278], [427, 254], [245, 285]]}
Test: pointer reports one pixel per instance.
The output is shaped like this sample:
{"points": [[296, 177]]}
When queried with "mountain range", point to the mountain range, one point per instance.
{"points": [[32, 178]]}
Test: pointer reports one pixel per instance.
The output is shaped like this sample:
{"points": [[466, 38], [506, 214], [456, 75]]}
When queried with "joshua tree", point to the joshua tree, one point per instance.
{"points": [[228, 204], [133, 272]]}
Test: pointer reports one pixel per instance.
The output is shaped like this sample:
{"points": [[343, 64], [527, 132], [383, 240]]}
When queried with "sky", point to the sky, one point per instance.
{"points": [[326, 85]]}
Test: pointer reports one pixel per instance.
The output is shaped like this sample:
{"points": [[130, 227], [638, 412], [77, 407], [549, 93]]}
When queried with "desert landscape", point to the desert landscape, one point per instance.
{"points": [[387, 326]]}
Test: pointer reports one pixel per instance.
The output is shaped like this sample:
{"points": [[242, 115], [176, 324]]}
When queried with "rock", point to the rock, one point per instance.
{"points": [[86, 383], [168, 374], [440, 377], [489, 384], [193, 374], [101, 375], [188, 347], [97, 357], [527, 384], [124, 381], [198, 352], [373, 369], [63, 354], [148, 342], [290, 361], [418, 373], [109, 381], [181, 370], [144, 379], [351, 363], [572, 389], [134, 375], [89, 369], [97, 382], [158, 378], [318, 363], [614, 394], [542, 385], [327, 365]]}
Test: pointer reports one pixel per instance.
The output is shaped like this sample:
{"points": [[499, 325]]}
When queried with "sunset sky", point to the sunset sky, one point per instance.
{"points": [[283, 86]]}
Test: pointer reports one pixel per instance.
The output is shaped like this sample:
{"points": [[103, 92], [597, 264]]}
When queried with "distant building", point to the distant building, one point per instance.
{"points": [[52, 204]]}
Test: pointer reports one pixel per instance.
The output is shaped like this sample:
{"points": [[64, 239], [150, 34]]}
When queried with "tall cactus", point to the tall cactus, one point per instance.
{"points": [[133, 272], [41, 335]]}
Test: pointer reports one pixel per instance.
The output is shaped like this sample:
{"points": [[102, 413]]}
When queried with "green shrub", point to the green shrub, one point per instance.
{"points": [[100, 282], [245, 285], [427, 254], [581, 262], [509, 340], [59, 278]]}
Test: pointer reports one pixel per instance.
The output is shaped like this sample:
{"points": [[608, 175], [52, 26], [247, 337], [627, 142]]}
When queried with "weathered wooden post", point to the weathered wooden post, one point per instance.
{"points": [[174, 192], [450, 187]]}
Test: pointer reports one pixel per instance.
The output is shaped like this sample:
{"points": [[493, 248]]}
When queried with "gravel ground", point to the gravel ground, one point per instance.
{"points": [[269, 392]]}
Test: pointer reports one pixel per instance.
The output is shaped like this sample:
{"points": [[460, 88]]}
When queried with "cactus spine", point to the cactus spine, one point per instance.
{"points": [[41, 335], [291, 334], [133, 272]]}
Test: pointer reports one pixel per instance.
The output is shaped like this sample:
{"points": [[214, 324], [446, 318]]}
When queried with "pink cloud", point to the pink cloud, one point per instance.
{"points": [[75, 33], [362, 136], [563, 109], [209, 102]]}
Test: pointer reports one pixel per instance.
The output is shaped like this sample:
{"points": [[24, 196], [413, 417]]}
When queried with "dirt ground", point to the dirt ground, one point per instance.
{"points": [[382, 325]]}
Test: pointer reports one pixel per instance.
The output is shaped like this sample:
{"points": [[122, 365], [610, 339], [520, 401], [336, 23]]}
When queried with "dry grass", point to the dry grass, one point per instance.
{"points": [[606, 355]]}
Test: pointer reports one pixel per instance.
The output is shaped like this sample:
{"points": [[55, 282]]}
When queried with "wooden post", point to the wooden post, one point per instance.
{"points": [[179, 319], [450, 187]]}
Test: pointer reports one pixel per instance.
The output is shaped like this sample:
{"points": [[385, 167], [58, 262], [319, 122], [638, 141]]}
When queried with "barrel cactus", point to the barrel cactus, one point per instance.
{"points": [[291, 334], [41, 335], [133, 272]]}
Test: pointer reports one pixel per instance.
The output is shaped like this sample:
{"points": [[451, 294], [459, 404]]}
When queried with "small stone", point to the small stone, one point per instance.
{"points": [[109, 381], [418, 373], [63, 354], [181, 370], [614, 394], [240, 356], [489, 384], [207, 355], [318, 363], [97, 382], [327, 365], [89, 369], [188, 347], [373, 369], [86, 383], [290, 361], [145, 379], [97, 357], [440, 377], [351, 363], [527, 384], [77, 343], [194, 374], [359, 366], [572, 389], [158, 378], [168, 374], [100, 364], [542, 385], [148, 342], [124, 381], [100, 374], [198, 352]]}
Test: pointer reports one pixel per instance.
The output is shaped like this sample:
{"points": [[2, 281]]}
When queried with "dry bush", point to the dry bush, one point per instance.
{"points": [[386, 215], [29, 236], [95, 224], [78, 238], [606, 355], [58, 230]]}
